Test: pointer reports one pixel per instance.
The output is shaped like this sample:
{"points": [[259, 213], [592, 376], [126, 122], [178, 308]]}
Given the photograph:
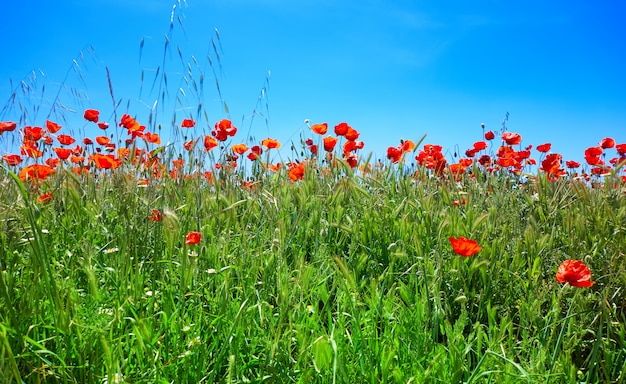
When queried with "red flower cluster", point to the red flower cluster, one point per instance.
{"points": [[329, 142], [296, 171], [431, 157], [395, 154]]}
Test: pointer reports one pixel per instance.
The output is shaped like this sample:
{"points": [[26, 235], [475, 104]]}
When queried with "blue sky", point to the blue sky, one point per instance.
{"points": [[392, 69]]}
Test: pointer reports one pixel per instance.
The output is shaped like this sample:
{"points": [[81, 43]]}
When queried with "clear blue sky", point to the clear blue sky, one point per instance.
{"points": [[392, 69]]}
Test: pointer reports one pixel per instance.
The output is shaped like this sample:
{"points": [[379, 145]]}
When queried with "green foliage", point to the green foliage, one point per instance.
{"points": [[335, 278]]}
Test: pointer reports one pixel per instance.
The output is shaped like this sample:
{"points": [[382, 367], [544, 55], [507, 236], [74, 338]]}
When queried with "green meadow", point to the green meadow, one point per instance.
{"points": [[338, 277]]}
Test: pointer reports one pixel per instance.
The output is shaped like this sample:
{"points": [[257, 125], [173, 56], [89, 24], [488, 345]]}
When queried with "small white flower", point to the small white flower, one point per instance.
{"points": [[194, 341], [116, 379]]}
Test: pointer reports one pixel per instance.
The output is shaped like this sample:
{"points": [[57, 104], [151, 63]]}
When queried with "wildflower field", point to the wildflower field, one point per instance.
{"points": [[217, 257]]}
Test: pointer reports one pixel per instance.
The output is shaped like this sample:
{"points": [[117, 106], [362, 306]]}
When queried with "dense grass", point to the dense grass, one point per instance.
{"points": [[335, 278]]}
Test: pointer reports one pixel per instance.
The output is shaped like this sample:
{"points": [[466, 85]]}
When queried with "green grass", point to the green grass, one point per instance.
{"points": [[336, 278]]}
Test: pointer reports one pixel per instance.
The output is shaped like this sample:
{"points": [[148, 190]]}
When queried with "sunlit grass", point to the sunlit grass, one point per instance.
{"points": [[334, 277]]}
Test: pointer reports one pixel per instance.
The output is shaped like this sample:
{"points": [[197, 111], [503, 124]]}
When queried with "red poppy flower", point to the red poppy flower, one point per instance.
{"points": [[320, 129], [394, 154], [352, 161], [91, 115], [193, 238], [457, 170], [66, 139], [255, 153], [489, 135], [621, 149], [102, 140], [178, 163], [544, 148], [33, 133], [129, 123], [30, 149], [600, 171], [351, 134], [479, 146], [592, 155], [223, 129], [574, 272], [274, 167], [62, 153], [465, 247], [7, 126], [77, 159], [594, 151], [153, 138], [138, 132], [103, 125], [348, 147], [572, 164], [511, 138], [239, 149], [270, 143], [188, 145], [12, 160], [52, 127], [407, 145], [36, 171], [607, 142], [484, 160], [296, 171], [329, 143], [106, 161], [551, 163], [341, 129], [123, 153], [52, 162], [209, 143], [188, 123], [45, 198]]}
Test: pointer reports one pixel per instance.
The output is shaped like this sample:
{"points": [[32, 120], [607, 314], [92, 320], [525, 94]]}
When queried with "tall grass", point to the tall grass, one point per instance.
{"points": [[342, 276], [321, 280]]}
